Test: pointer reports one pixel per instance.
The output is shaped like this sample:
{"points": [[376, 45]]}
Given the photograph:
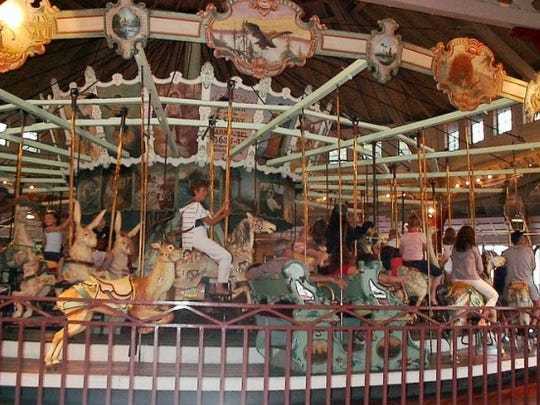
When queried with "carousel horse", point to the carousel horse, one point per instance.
{"points": [[126, 290], [293, 286], [196, 267], [79, 266], [36, 282]]}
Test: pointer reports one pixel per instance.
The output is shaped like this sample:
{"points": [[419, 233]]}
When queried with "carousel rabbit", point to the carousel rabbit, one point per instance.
{"points": [[79, 266], [122, 249]]}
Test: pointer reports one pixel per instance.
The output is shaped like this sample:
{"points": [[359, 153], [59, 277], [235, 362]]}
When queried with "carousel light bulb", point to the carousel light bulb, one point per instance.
{"points": [[431, 210], [478, 181], [4, 181], [11, 14], [490, 176], [387, 195], [457, 185], [32, 187], [30, 216]]}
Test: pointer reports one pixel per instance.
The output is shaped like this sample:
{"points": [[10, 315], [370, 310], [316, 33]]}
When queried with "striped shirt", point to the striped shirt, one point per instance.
{"points": [[190, 214]]}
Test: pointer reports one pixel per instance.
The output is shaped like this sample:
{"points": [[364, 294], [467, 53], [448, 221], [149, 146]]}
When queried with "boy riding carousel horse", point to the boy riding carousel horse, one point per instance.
{"points": [[195, 220]]}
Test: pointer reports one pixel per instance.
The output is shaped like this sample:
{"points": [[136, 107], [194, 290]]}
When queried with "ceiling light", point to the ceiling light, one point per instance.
{"points": [[478, 180], [11, 14], [457, 185], [30, 216], [387, 195], [32, 187], [467, 183], [490, 176]]}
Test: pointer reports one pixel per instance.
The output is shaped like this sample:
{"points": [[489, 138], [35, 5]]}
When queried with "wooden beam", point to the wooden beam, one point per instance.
{"points": [[348, 197], [36, 180], [47, 116], [150, 85], [406, 189], [342, 77], [39, 161], [504, 51], [32, 170], [473, 10]]}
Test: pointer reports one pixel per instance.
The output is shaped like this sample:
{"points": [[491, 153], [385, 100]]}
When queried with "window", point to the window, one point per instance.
{"points": [[453, 140], [477, 129], [3, 127], [536, 116], [403, 148], [334, 156], [33, 137], [504, 120]]}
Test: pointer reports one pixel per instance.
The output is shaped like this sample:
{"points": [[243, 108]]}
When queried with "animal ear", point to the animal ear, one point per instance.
{"points": [[77, 213], [96, 220], [134, 231], [118, 223], [156, 245]]}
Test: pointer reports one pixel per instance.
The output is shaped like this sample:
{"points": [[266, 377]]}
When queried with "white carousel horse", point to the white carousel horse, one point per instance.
{"points": [[126, 289], [79, 266], [195, 265]]}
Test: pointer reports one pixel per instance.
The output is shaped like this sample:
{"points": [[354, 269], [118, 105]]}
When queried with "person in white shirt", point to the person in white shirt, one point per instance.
{"points": [[195, 221]]}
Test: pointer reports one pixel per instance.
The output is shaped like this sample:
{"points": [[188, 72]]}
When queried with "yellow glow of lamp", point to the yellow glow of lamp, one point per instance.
{"points": [[24, 31], [12, 14]]}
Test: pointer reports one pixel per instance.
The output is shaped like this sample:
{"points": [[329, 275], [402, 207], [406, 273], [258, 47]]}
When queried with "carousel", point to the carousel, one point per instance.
{"points": [[210, 202]]}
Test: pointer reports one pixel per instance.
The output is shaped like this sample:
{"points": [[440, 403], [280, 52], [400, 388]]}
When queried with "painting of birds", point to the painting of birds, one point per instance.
{"points": [[263, 40]]}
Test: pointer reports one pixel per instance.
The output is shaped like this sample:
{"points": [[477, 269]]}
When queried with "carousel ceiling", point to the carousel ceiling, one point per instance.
{"points": [[408, 97]]}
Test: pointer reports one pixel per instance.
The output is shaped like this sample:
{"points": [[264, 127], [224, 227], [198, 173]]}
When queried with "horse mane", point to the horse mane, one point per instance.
{"points": [[241, 234]]}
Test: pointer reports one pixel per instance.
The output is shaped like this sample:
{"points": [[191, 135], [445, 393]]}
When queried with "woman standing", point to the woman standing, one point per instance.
{"points": [[467, 265]]}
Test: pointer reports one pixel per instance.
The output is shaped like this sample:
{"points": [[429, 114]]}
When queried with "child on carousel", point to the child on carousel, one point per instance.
{"points": [[195, 221]]}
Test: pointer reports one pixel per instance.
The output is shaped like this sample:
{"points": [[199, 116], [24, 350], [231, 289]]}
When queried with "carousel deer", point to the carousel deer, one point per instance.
{"points": [[126, 290], [79, 266]]}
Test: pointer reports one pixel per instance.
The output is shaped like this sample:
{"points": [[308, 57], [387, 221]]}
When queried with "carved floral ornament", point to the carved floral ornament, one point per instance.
{"points": [[384, 49], [24, 31], [532, 98], [261, 37], [465, 69]]}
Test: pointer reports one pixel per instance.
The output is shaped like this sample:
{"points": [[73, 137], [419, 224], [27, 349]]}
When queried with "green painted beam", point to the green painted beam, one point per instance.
{"points": [[348, 187], [33, 170], [41, 145], [47, 116], [393, 132], [35, 180], [38, 161], [342, 77]]}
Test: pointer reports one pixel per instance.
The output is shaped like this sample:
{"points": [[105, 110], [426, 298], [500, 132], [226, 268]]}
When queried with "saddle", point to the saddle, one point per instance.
{"points": [[459, 287], [120, 289], [518, 285]]}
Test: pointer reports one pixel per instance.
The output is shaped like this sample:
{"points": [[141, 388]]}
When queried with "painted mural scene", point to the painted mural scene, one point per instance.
{"points": [[269, 202]]}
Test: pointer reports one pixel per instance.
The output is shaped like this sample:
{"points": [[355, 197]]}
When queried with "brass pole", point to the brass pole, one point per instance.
{"points": [[212, 167], [18, 174], [340, 196], [355, 181], [74, 93], [305, 178], [422, 179], [472, 202], [230, 91], [143, 182], [448, 194], [116, 176]]}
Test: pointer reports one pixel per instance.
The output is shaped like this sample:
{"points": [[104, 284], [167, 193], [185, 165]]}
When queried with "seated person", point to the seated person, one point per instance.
{"points": [[392, 238], [391, 260], [467, 266], [54, 237], [195, 220], [520, 265], [413, 249], [316, 249]]}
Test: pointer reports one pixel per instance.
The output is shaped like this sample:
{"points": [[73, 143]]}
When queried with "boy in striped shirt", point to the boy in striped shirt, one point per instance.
{"points": [[195, 221]]}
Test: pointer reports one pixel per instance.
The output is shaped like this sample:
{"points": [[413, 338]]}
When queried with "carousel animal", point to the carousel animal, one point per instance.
{"points": [[196, 267], [79, 266], [126, 290], [36, 281], [122, 248]]}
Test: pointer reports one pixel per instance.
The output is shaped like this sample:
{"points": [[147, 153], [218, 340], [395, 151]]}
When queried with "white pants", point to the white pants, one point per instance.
{"points": [[490, 294], [216, 252]]}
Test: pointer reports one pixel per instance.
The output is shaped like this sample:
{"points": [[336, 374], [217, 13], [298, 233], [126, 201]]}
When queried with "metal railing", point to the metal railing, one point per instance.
{"points": [[269, 354]]}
